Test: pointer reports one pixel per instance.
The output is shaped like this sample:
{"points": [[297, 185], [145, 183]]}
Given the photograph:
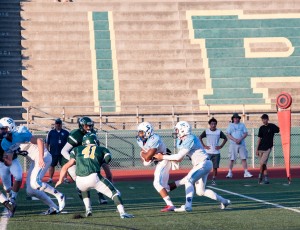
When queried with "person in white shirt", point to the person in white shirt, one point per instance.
{"points": [[189, 145], [212, 147], [237, 132]]}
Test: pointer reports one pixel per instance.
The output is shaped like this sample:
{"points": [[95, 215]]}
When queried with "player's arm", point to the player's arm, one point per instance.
{"points": [[258, 143], [40, 143], [107, 172], [66, 150], [175, 157], [148, 155], [203, 135], [222, 136], [64, 170]]}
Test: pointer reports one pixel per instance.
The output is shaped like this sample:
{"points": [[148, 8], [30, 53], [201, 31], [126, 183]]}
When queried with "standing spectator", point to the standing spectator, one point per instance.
{"points": [[55, 141], [212, 146], [264, 146], [237, 133]]}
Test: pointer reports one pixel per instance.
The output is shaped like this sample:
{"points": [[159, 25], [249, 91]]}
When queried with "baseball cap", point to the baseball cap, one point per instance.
{"points": [[264, 116], [236, 115], [58, 121]]}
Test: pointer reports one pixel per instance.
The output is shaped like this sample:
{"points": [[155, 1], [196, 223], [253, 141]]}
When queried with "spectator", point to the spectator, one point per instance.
{"points": [[237, 133], [212, 146], [264, 146], [55, 141]]}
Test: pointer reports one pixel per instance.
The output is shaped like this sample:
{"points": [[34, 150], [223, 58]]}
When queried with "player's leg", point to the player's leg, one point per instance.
{"points": [[243, 156], [17, 172], [36, 180], [6, 179], [215, 158], [52, 167], [83, 185], [41, 195], [232, 157], [160, 183], [108, 175], [194, 175], [107, 188], [202, 191], [263, 162]]}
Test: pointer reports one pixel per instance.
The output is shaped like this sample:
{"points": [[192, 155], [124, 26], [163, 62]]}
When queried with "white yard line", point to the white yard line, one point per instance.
{"points": [[4, 220], [254, 199]]}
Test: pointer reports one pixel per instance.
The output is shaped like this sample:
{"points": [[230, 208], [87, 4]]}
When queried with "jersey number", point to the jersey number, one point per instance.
{"points": [[89, 152]]}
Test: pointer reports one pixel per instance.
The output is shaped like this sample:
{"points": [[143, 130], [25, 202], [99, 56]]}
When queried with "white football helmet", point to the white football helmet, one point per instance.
{"points": [[147, 130], [9, 123], [182, 129]]}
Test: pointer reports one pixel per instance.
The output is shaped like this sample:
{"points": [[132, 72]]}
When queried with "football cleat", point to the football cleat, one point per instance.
{"points": [[168, 208], [61, 202], [50, 211], [213, 183], [126, 215], [225, 204], [88, 213], [183, 208], [11, 208]]}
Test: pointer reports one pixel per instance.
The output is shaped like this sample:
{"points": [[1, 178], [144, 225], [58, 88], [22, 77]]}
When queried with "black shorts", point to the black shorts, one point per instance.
{"points": [[56, 159], [215, 158]]}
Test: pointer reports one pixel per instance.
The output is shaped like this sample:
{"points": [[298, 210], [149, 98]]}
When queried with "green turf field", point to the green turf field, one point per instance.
{"points": [[141, 199]]}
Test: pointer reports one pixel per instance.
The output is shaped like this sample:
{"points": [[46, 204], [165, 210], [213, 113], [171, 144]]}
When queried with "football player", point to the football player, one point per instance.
{"points": [[151, 144], [15, 169], [85, 125], [189, 145], [88, 159], [4, 200], [21, 141]]}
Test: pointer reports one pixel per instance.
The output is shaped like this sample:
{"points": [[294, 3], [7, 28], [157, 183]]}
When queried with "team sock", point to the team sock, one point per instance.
{"points": [[168, 201]]}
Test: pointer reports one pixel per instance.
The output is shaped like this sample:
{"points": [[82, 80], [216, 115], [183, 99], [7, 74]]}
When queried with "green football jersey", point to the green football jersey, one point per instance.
{"points": [[75, 137], [89, 159]]}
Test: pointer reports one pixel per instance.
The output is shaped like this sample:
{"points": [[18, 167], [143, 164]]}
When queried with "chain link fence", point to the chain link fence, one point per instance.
{"points": [[121, 140]]}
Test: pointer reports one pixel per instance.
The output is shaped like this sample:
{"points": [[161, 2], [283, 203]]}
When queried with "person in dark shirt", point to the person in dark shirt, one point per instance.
{"points": [[264, 146], [55, 141]]}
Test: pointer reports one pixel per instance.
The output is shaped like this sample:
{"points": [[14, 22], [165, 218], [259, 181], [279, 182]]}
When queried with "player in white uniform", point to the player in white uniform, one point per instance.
{"points": [[22, 141], [189, 144], [15, 169], [11, 207], [151, 144]]}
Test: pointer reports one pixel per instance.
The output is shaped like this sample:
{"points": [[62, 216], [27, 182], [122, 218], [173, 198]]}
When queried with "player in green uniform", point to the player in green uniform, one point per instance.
{"points": [[86, 125], [88, 159]]}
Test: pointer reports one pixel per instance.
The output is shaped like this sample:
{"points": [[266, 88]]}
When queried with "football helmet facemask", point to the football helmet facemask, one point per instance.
{"points": [[84, 123], [182, 129], [145, 130]]}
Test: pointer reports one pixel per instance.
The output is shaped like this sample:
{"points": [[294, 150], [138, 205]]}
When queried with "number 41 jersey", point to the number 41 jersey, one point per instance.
{"points": [[89, 159]]}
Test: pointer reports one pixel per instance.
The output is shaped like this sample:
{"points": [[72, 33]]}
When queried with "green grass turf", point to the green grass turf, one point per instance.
{"points": [[141, 199]]}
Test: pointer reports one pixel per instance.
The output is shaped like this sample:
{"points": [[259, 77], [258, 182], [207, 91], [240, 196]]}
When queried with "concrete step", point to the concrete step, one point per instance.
{"points": [[159, 64], [188, 84], [142, 15], [61, 104], [5, 15], [9, 64], [10, 59], [146, 25], [156, 95], [62, 85], [158, 54], [155, 44], [69, 36], [5, 70], [152, 35], [82, 96], [96, 6], [4, 73], [57, 64], [57, 54], [174, 74], [55, 26], [10, 7], [56, 45], [56, 75], [46, 16]]}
